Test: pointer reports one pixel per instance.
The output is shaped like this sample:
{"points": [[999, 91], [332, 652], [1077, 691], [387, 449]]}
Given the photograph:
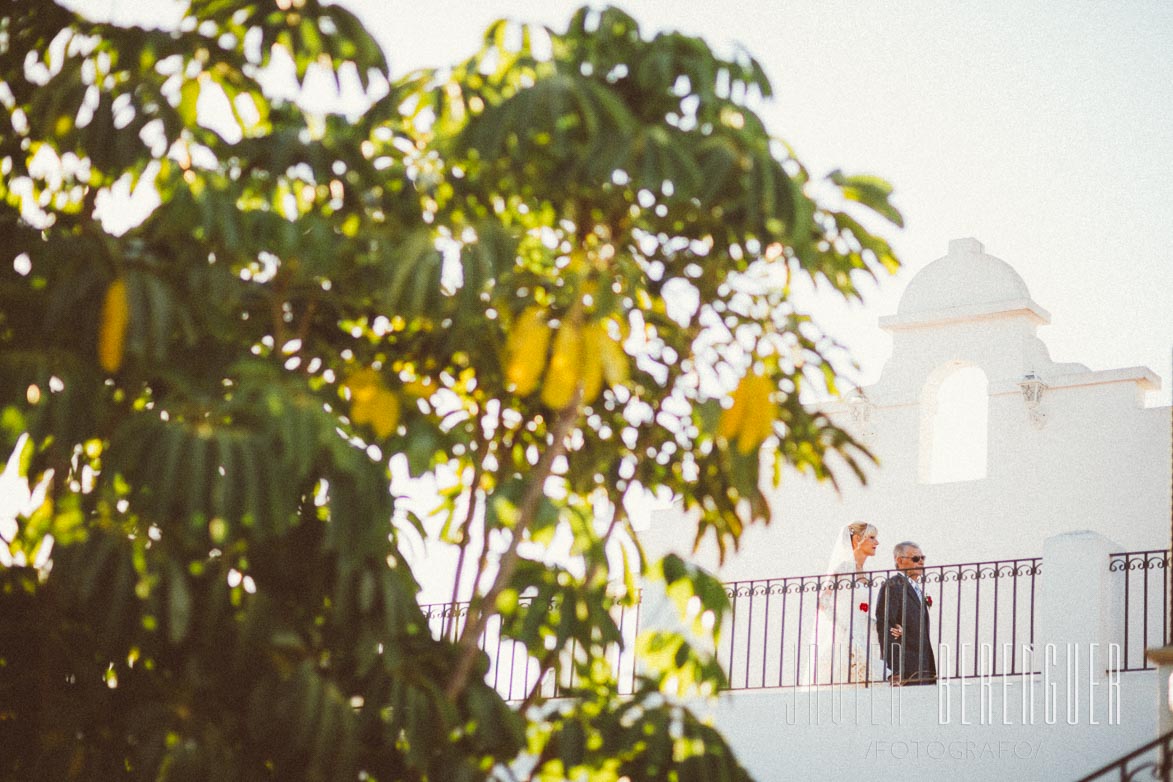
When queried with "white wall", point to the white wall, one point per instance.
{"points": [[887, 733], [1099, 463]]}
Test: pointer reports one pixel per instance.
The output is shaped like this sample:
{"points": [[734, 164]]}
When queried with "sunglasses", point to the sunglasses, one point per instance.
{"points": [[915, 559]]}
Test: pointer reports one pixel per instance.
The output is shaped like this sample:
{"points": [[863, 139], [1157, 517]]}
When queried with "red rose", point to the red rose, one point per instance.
{"points": [[928, 601], [863, 607]]}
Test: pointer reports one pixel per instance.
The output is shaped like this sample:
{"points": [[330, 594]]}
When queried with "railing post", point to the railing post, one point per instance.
{"points": [[1074, 610], [1163, 659]]}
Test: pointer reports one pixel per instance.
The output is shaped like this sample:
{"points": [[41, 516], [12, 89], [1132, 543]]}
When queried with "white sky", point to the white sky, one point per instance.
{"points": [[1042, 129]]}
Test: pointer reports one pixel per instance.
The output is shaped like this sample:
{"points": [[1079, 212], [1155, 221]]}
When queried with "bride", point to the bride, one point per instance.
{"points": [[845, 636]]}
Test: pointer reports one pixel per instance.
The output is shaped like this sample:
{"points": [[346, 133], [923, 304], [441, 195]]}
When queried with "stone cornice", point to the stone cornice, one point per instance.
{"points": [[996, 310]]}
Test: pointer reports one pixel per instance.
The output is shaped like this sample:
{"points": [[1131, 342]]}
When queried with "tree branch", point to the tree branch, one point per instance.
{"points": [[548, 659], [478, 617], [463, 529]]}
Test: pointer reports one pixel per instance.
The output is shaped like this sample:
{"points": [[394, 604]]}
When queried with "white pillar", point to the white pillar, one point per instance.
{"points": [[1074, 613], [1163, 658]]}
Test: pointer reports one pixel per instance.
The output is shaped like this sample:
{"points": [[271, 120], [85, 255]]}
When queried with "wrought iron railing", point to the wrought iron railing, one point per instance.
{"points": [[513, 672], [1140, 587], [1152, 761], [803, 630], [799, 630]]}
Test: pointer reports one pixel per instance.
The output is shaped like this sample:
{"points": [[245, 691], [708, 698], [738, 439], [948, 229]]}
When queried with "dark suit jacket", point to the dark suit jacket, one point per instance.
{"points": [[909, 657]]}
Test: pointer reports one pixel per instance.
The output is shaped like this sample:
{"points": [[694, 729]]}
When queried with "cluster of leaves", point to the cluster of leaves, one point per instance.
{"points": [[210, 584]]}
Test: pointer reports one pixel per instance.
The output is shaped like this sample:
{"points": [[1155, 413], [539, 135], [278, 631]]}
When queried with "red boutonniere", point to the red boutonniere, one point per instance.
{"points": [[863, 607], [928, 601]]}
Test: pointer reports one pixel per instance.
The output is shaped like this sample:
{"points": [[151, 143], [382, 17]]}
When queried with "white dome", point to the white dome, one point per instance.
{"points": [[967, 276]]}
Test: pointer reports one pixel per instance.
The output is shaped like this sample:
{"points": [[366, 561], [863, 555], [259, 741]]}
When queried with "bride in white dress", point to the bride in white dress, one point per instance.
{"points": [[844, 633]]}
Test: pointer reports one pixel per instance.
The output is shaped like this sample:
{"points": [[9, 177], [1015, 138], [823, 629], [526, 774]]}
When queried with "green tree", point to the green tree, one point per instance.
{"points": [[547, 276]]}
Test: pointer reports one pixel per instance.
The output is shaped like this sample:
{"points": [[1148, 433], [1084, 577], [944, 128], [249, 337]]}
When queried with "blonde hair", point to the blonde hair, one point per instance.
{"points": [[860, 529]]}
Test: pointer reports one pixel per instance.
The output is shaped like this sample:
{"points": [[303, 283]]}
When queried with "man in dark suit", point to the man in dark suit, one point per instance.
{"points": [[902, 620]]}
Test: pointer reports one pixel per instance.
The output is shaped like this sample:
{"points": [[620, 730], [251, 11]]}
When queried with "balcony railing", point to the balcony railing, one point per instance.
{"points": [[1140, 588], [981, 622], [982, 619], [513, 672], [1152, 761]]}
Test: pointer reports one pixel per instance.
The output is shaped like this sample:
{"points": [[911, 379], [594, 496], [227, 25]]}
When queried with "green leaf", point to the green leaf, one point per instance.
{"points": [[189, 95], [572, 741], [179, 603], [871, 191]]}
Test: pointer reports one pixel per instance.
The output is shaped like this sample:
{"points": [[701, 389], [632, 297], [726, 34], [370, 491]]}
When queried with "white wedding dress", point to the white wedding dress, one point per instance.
{"points": [[845, 647]]}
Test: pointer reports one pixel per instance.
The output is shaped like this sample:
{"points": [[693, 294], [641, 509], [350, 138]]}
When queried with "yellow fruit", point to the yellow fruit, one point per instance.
{"points": [[115, 318], [562, 375], [603, 359], [372, 403], [751, 418], [363, 385], [420, 389], [525, 351], [360, 412], [758, 423], [384, 413], [578, 261], [732, 416], [593, 337], [615, 369]]}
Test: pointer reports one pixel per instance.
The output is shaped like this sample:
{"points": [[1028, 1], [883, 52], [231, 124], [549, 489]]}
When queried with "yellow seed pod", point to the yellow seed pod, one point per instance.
{"points": [[384, 412], [360, 412], [112, 326], [420, 389], [758, 421], [732, 416], [363, 384], [578, 261], [562, 375], [525, 351], [594, 335], [615, 368], [372, 403]]}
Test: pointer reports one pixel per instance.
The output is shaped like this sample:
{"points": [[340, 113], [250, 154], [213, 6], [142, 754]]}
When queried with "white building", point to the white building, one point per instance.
{"points": [[989, 451]]}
